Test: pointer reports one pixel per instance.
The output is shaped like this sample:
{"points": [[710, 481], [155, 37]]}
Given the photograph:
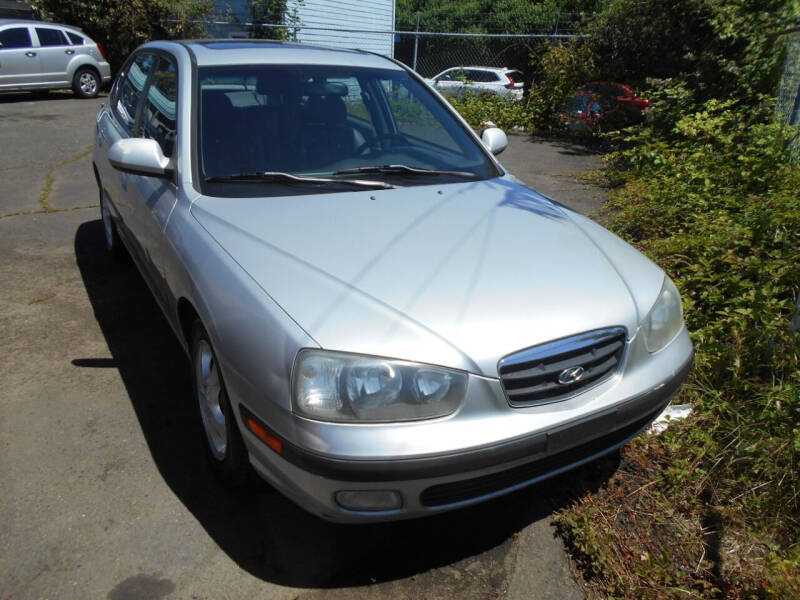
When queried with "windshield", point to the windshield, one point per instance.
{"points": [[321, 122]]}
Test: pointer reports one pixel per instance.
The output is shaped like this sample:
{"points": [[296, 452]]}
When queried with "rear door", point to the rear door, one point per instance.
{"points": [[19, 60], [55, 53]]}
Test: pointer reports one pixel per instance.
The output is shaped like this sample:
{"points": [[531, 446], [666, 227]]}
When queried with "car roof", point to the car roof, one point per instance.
{"points": [[33, 22], [482, 68], [495, 69], [237, 52]]}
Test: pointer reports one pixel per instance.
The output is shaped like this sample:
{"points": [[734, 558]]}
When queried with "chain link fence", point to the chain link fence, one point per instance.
{"points": [[427, 52], [432, 53], [788, 105]]}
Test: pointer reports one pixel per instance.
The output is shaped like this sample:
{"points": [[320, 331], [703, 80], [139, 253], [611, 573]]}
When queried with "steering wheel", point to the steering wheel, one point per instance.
{"points": [[377, 139]]}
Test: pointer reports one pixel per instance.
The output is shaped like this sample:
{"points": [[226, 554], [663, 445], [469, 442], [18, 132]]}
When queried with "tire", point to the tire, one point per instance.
{"points": [[222, 439], [86, 83], [114, 247]]}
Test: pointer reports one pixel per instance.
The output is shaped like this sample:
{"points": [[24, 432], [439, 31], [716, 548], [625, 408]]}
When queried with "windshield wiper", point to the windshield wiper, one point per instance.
{"points": [[403, 170], [279, 177]]}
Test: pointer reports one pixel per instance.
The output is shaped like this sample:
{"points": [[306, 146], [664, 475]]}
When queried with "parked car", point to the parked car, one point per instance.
{"points": [[35, 55], [478, 80], [605, 105], [381, 320], [620, 93]]}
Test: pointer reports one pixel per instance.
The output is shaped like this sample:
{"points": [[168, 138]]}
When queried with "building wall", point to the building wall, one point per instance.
{"points": [[376, 15]]}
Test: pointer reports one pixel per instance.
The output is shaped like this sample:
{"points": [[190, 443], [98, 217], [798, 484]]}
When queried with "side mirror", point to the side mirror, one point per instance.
{"points": [[494, 139], [140, 156]]}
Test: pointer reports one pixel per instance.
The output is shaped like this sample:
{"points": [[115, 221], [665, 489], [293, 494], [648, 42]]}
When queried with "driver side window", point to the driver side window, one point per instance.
{"points": [[128, 89]]}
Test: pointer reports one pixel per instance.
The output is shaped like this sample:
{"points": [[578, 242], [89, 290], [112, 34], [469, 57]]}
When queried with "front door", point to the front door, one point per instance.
{"points": [[151, 199], [19, 60]]}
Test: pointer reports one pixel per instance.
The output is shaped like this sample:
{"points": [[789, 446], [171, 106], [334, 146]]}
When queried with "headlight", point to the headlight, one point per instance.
{"points": [[334, 386], [665, 319]]}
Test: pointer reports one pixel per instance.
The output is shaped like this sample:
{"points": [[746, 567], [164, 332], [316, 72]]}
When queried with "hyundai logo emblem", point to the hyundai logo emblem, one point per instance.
{"points": [[570, 375]]}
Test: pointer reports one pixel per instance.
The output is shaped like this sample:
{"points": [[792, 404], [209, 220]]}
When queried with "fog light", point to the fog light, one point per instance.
{"points": [[369, 499]]}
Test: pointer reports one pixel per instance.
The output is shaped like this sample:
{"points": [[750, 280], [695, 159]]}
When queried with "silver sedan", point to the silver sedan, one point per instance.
{"points": [[381, 321]]}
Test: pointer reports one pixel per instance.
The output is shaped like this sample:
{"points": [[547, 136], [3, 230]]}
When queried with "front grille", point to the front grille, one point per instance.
{"points": [[460, 491], [531, 376]]}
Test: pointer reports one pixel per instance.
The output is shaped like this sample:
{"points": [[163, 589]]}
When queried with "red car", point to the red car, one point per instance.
{"points": [[605, 105], [619, 92]]}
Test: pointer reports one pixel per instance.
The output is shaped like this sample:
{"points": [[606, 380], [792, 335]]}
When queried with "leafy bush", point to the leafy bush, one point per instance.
{"points": [[717, 207], [560, 70], [712, 506], [504, 112]]}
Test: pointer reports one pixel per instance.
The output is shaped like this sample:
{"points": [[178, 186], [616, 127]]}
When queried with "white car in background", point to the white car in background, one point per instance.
{"points": [[478, 80], [35, 55]]}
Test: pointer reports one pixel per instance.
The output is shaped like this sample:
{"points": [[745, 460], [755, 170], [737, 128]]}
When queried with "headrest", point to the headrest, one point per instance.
{"points": [[273, 82], [214, 100], [328, 109], [332, 88]]}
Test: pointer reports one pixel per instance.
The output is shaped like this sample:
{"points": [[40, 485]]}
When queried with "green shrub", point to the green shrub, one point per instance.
{"points": [[504, 112], [716, 205], [560, 70], [711, 508]]}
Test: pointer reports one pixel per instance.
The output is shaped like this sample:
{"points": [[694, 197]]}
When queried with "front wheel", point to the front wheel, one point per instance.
{"points": [[86, 83], [226, 452]]}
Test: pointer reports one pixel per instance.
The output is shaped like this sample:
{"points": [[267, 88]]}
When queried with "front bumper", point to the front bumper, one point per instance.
{"points": [[435, 483]]}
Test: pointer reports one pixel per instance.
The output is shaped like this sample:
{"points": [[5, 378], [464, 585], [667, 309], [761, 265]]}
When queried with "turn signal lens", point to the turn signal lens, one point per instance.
{"points": [[261, 433]]}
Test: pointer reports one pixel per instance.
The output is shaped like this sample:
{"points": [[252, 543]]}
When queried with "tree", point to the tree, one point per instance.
{"points": [[269, 12], [122, 25]]}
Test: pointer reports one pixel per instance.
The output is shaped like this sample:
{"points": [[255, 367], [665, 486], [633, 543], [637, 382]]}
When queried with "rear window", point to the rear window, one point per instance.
{"points": [[482, 76], [515, 75], [75, 39], [578, 104], [50, 37], [16, 37]]}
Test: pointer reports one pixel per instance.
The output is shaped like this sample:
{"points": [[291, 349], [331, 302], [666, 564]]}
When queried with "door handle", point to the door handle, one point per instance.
{"points": [[30, 54], [70, 52]]}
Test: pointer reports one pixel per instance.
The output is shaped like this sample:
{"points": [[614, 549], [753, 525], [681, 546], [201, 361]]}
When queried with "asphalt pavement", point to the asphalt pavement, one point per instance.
{"points": [[105, 493]]}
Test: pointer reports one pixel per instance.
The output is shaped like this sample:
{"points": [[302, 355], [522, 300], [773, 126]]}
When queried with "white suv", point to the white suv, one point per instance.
{"points": [[35, 55], [461, 80]]}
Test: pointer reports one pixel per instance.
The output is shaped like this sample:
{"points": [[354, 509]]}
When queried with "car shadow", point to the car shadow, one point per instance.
{"points": [[40, 96], [572, 145], [263, 532]]}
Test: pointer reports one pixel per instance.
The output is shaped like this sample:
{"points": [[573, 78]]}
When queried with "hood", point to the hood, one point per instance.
{"points": [[457, 275]]}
